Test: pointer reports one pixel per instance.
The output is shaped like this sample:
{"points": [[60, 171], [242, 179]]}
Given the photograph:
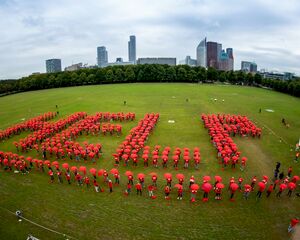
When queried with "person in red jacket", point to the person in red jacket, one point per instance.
{"points": [[270, 190], [96, 185], [117, 178], [110, 185], [78, 179], [260, 191], [154, 179], [254, 179], [87, 181], [51, 176], [169, 182], [179, 193], [150, 190], [138, 187], [68, 177], [167, 192], [128, 190], [293, 224], [130, 179], [218, 192], [58, 172]]}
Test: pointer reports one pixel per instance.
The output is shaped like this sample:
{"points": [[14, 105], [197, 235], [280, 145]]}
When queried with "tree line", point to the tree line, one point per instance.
{"points": [[144, 73]]}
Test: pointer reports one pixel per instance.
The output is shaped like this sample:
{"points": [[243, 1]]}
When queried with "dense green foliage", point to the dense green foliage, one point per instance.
{"points": [[144, 73]]}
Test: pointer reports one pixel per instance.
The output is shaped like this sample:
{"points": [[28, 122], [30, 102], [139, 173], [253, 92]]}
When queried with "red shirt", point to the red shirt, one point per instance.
{"points": [[138, 186]]}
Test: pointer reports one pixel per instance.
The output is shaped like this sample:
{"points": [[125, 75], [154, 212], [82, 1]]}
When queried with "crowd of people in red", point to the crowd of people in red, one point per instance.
{"points": [[135, 140], [62, 145], [47, 130], [14, 162], [221, 127], [32, 124]]}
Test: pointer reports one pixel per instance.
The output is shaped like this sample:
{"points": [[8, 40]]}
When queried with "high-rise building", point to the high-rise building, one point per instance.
{"points": [[229, 52], [212, 54], [248, 67], [132, 49], [201, 54], [219, 49], [102, 56], [53, 65]]}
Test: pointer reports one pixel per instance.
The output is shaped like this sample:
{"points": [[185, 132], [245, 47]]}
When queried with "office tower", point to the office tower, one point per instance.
{"points": [[132, 49], [53, 65], [201, 54], [229, 52], [219, 49], [102, 56], [248, 67], [212, 54]]}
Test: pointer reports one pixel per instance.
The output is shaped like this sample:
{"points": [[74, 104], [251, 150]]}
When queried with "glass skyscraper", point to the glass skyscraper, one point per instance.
{"points": [[53, 65], [132, 49], [102, 58], [201, 54]]}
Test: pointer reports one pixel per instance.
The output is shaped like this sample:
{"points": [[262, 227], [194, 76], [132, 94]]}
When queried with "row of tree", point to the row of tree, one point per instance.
{"points": [[143, 73]]}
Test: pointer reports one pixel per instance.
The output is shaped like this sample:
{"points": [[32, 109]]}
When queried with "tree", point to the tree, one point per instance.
{"points": [[257, 78], [249, 79], [110, 77], [181, 74], [129, 75], [192, 76], [212, 74], [231, 77], [170, 74], [119, 75], [222, 77]]}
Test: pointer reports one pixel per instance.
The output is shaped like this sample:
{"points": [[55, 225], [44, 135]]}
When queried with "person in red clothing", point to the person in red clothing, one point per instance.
{"points": [[128, 190], [150, 190], [87, 181], [292, 225], [247, 190], [154, 179], [169, 182], [68, 177], [58, 172], [96, 185], [179, 193], [167, 192], [262, 187], [254, 179], [180, 181], [192, 181], [51, 176], [270, 190], [117, 178], [110, 185], [138, 187], [130, 179], [240, 180], [78, 179], [218, 192]]}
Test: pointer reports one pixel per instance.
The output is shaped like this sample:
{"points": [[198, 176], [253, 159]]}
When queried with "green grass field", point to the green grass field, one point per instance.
{"points": [[84, 214]]}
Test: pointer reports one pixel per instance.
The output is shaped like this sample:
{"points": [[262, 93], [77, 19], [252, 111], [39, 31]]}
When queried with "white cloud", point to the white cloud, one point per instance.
{"points": [[33, 31]]}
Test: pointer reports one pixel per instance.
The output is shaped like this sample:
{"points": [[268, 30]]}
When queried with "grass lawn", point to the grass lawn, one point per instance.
{"points": [[84, 214]]}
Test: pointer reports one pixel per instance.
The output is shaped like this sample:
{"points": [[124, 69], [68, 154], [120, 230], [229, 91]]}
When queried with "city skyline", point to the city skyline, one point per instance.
{"points": [[259, 31]]}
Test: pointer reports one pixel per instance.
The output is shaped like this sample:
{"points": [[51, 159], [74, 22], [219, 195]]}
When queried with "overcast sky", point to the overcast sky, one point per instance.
{"points": [[31, 31]]}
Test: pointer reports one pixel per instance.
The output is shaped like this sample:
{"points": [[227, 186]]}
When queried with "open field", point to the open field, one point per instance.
{"points": [[84, 214]]}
